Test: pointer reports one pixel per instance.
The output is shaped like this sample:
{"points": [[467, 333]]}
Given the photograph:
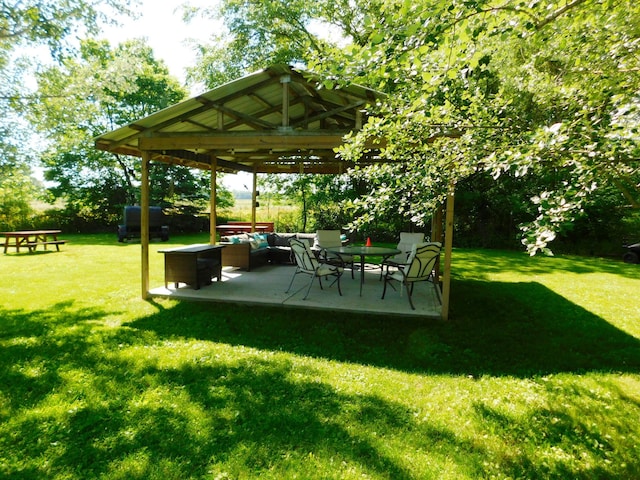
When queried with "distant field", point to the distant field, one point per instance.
{"points": [[40, 205], [284, 215]]}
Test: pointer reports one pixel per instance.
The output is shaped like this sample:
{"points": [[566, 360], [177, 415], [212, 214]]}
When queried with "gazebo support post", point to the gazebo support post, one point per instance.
{"points": [[436, 224], [254, 197], [436, 235], [144, 222], [285, 80], [212, 200], [448, 247]]}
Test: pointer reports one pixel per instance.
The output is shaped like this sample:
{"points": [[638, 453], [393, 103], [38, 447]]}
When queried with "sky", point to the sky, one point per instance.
{"points": [[166, 33], [161, 24]]}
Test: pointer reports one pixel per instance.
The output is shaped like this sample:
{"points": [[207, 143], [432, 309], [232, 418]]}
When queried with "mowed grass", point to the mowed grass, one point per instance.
{"points": [[535, 376]]}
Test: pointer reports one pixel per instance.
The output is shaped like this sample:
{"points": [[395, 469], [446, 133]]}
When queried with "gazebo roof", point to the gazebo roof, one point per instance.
{"points": [[277, 120]]}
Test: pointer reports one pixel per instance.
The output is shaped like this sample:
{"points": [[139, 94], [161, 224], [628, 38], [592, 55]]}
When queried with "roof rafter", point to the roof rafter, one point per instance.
{"points": [[242, 124]]}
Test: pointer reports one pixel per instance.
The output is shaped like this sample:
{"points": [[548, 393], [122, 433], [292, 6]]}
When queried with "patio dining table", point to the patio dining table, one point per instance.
{"points": [[364, 252]]}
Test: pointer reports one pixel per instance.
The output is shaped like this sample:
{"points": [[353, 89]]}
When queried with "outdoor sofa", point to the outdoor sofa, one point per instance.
{"points": [[252, 250]]}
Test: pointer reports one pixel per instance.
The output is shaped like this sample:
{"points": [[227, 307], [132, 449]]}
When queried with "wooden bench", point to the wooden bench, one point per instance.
{"points": [[33, 245], [235, 229], [266, 226]]}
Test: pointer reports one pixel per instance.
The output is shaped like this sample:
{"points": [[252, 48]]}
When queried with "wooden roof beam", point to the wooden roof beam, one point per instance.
{"points": [[159, 126], [240, 92], [330, 113], [232, 140], [260, 114], [201, 125], [247, 119], [258, 99], [189, 158]]}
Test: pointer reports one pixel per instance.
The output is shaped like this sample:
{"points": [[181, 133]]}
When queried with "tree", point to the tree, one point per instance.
{"points": [[266, 32], [16, 185], [51, 22], [93, 92], [511, 88], [34, 23], [318, 196]]}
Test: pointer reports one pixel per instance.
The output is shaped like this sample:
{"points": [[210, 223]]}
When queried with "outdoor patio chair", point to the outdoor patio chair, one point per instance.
{"points": [[407, 241], [419, 268], [307, 263], [331, 238]]}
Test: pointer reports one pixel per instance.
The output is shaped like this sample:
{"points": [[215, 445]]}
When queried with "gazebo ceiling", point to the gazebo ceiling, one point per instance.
{"points": [[277, 120]]}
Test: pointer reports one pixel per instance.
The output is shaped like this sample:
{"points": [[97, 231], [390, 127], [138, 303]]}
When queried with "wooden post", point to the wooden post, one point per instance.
{"points": [[285, 80], [436, 225], [254, 198], [144, 222], [448, 247], [212, 200], [436, 235]]}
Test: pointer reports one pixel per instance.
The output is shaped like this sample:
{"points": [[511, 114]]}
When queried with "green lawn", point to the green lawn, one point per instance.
{"points": [[537, 375]]}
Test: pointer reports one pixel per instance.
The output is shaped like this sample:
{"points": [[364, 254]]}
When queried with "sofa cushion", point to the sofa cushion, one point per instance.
{"points": [[240, 238], [261, 240], [280, 239]]}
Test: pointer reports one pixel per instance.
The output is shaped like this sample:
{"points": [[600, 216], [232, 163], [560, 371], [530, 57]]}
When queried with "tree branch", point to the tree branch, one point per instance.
{"points": [[507, 8], [626, 193], [550, 18]]}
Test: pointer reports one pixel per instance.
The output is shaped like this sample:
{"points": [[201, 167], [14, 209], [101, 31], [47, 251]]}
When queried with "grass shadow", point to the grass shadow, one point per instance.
{"points": [[565, 423], [99, 402], [518, 329], [80, 402], [38, 345]]}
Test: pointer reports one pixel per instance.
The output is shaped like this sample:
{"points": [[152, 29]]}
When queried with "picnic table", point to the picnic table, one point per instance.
{"points": [[31, 239]]}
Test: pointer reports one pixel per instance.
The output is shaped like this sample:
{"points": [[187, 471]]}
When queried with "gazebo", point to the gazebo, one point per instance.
{"points": [[277, 120]]}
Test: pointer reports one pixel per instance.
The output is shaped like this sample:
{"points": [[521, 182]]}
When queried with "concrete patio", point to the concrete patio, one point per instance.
{"points": [[267, 285]]}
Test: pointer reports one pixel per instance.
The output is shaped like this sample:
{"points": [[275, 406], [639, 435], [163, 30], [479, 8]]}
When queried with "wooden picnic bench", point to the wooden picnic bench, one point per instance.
{"points": [[57, 243], [31, 239], [260, 226], [236, 228]]}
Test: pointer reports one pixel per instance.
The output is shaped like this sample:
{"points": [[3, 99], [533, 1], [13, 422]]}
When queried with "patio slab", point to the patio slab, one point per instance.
{"points": [[267, 285]]}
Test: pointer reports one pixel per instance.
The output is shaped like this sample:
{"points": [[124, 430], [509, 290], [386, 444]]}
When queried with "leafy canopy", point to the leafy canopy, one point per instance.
{"points": [[506, 87], [260, 33], [545, 89], [51, 23], [96, 91]]}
